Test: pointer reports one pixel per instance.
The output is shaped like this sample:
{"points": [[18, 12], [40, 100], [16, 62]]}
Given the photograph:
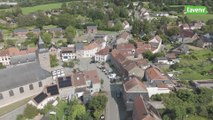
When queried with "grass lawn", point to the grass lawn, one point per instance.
{"points": [[193, 117], [13, 106], [196, 65], [202, 17], [194, 47], [27, 10]]}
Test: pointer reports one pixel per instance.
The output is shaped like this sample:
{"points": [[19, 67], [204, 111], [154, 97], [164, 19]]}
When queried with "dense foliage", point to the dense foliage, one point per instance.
{"points": [[98, 104], [187, 102]]}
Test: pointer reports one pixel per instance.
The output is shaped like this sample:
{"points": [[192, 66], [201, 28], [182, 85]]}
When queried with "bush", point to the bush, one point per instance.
{"points": [[30, 111]]}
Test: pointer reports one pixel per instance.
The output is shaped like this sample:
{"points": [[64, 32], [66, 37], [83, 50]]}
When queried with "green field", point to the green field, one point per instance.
{"points": [[27, 10], [202, 17], [195, 66]]}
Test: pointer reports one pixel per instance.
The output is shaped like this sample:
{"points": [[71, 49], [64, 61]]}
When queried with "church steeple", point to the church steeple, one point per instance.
{"points": [[41, 46]]}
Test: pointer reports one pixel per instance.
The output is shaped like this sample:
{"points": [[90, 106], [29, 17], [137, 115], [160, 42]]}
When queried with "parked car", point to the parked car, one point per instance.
{"points": [[102, 117], [113, 75]]}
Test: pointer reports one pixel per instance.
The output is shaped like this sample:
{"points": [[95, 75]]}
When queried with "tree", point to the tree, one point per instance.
{"points": [[42, 20], [148, 55], [85, 116], [136, 27], [16, 11], [70, 33], [180, 112], [209, 22], [69, 64], [97, 114], [30, 111], [131, 6], [53, 61], [10, 43], [47, 38], [2, 66], [76, 110], [20, 117], [98, 102], [32, 37], [173, 31]]}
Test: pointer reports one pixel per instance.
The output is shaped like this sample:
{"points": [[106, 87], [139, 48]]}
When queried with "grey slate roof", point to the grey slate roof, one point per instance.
{"points": [[23, 59], [21, 75], [79, 46]]}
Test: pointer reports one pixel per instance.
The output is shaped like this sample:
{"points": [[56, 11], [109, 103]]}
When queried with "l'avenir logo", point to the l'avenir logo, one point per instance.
{"points": [[195, 9]]}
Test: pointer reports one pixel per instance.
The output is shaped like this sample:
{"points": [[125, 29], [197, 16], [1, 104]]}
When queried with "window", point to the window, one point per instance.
{"points": [[1, 96], [11, 93], [31, 86], [40, 84], [21, 89]]}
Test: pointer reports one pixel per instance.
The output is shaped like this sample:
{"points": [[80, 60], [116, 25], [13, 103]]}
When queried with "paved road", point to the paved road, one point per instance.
{"points": [[115, 109], [13, 114]]}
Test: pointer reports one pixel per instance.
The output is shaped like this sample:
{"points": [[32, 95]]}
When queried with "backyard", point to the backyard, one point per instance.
{"points": [[195, 66]]}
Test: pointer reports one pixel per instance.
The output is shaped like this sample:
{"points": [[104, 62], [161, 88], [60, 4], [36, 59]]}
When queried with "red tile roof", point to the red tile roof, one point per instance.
{"points": [[80, 78], [129, 65], [143, 62], [187, 33], [123, 35], [125, 46], [90, 46], [155, 74], [134, 85], [118, 56], [92, 75], [15, 51], [104, 51], [140, 111]]}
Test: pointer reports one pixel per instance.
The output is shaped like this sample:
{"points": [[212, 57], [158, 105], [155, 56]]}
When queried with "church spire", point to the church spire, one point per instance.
{"points": [[41, 45]]}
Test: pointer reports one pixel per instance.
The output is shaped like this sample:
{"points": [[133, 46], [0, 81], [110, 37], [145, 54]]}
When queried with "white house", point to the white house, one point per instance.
{"points": [[68, 53], [90, 50], [155, 43], [157, 90], [102, 55]]}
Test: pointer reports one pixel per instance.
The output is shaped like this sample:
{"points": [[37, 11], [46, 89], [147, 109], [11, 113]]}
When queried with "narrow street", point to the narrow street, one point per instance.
{"points": [[115, 109]]}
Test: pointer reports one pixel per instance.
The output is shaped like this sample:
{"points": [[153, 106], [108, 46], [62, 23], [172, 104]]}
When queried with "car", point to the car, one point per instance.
{"points": [[102, 117]]}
